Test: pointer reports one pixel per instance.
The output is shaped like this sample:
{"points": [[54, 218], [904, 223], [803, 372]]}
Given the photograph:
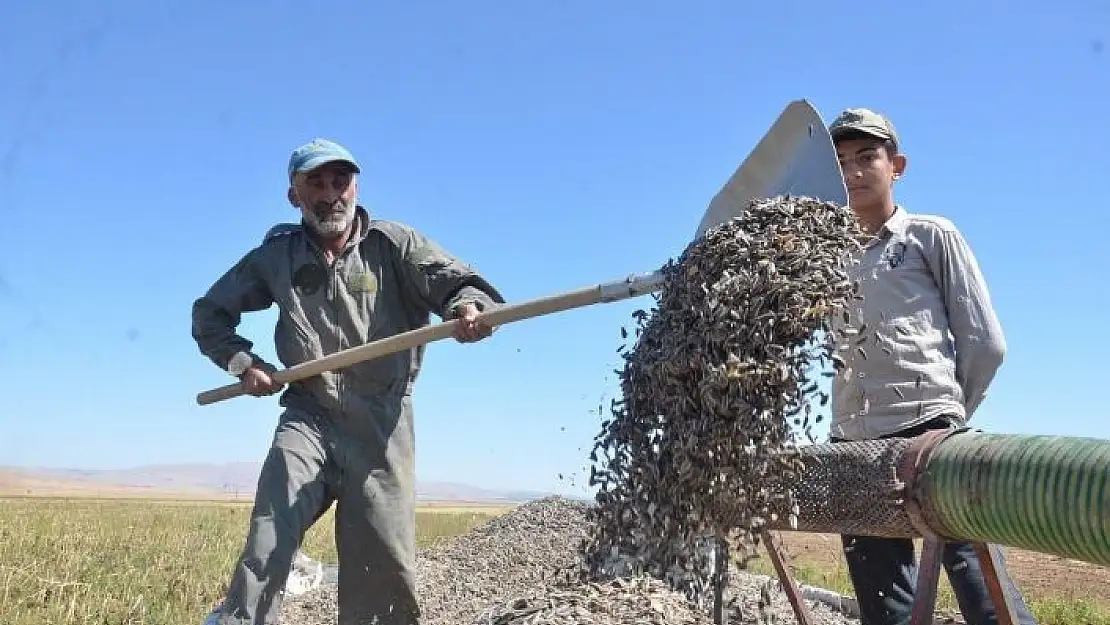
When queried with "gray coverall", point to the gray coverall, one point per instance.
{"points": [[344, 436]]}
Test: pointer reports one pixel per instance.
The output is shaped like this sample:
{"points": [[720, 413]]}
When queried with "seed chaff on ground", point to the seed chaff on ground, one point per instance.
{"points": [[522, 568]]}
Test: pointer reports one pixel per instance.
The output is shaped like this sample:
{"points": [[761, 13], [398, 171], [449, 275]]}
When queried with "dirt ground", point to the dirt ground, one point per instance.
{"points": [[1037, 575]]}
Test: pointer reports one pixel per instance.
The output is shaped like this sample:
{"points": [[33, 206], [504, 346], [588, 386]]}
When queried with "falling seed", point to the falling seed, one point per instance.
{"points": [[715, 377]]}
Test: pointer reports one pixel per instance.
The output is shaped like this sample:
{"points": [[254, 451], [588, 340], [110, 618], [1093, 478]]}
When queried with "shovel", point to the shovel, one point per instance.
{"points": [[796, 157]]}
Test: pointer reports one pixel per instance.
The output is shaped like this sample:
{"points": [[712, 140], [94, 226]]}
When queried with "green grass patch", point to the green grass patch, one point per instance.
{"points": [[134, 562]]}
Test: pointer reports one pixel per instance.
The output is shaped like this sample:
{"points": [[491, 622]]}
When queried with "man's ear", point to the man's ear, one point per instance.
{"points": [[291, 195], [900, 162]]}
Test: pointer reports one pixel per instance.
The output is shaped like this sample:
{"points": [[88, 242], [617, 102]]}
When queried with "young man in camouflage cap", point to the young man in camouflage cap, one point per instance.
{"points": [[339, 279], [920, 281]]}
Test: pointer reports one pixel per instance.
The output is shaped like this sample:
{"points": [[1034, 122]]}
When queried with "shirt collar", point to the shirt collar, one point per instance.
{"points": [[894, 225], [897, 222]]}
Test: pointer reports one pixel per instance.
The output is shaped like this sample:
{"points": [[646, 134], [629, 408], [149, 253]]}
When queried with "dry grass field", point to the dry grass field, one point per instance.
{"points": [[130, 561], [133, 561]]}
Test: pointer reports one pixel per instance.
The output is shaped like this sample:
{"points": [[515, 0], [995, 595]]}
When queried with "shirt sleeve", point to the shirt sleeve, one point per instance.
{"points": [[443, 281], [979, 343], [217, 314]]}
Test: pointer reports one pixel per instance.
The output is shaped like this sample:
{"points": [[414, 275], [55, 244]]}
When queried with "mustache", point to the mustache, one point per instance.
{"points": [[331, 207]]}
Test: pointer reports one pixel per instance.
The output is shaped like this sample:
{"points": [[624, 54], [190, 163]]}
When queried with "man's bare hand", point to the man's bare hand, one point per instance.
{"points": [[258, 382], [470, 327]]}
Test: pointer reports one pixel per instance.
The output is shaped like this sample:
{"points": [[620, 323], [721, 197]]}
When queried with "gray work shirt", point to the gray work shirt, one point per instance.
{"points": [[389, 279], [930, 339]]}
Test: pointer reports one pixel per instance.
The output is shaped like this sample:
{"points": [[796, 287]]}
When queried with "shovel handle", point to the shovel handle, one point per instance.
{"points": [[632, 286]]}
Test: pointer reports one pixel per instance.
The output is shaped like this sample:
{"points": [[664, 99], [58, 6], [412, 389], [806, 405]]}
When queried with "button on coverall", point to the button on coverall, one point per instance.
{"points": [[344, 436]]}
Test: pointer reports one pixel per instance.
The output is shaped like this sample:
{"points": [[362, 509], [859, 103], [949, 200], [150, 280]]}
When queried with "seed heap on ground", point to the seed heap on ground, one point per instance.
{"points": [[697, 449], [521, 569]]}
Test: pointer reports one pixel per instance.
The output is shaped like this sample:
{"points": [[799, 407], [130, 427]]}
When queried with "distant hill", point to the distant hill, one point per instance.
{"points": [[209, 480]]}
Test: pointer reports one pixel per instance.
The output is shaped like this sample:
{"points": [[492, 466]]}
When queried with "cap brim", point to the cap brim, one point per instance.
{"points": [[850, 130], [314, 163]]}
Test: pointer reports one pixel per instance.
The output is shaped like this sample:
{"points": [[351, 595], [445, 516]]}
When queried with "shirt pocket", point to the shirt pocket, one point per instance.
{"points": [[362, 283]]}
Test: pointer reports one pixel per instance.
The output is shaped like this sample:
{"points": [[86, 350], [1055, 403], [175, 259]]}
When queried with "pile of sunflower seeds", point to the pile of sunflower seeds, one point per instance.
{"points": [[521, 569], [463, 579], [697, 452]]}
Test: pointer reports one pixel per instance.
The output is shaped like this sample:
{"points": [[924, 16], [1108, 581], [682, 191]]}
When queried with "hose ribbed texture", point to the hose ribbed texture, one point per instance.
{"points": [[1043, 493]]}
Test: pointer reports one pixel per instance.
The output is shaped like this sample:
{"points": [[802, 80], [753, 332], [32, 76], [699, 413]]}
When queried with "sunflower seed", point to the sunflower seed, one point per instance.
{"points": [[719, 371]]}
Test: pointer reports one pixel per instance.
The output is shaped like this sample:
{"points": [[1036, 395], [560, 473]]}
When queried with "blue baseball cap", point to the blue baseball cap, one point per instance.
{"points": [[318, 152]]}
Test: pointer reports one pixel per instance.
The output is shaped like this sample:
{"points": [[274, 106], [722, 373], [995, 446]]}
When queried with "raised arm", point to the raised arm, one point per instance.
{"points": [[441, 280]]}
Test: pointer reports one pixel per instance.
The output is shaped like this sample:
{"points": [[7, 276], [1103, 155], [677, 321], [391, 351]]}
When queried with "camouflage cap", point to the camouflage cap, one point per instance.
{"points": [[865, 121]]}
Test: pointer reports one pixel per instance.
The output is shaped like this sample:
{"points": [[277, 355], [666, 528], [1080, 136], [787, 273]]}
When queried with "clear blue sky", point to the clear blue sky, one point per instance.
{"points": [[553, 145]]}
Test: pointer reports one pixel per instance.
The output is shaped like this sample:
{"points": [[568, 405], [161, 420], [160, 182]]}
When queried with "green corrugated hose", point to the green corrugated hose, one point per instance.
{"points": [[1043, 493]]}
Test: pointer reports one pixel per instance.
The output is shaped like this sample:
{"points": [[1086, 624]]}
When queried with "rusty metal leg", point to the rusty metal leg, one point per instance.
{"points": [[1003, 608], [793, 593], [720, 581], [928, 576]]}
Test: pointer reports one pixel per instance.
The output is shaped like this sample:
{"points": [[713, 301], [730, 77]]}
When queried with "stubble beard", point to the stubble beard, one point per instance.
{"points": [[332, 224]]}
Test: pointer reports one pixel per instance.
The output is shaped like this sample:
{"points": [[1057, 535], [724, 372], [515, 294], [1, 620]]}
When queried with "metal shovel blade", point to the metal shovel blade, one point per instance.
{"points": [[795, 157]]}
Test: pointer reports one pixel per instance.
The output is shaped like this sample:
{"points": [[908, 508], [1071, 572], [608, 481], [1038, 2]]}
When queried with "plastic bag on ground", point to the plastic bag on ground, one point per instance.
{"points": [[304, 575]]}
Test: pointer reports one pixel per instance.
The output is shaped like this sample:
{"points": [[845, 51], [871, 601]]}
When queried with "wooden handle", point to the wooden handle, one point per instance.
{"points": [[635, 285], [340, 359]]}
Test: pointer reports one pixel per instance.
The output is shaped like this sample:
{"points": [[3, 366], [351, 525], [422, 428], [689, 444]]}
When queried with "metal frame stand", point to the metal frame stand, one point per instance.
{"points": [[789, 586], [925, 593], [720, 581], [1004, 608], [928, 576]]}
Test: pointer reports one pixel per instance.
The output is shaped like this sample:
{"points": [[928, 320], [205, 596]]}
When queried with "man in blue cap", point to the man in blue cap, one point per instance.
{"points": [[930, 312], [339, 279]]}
